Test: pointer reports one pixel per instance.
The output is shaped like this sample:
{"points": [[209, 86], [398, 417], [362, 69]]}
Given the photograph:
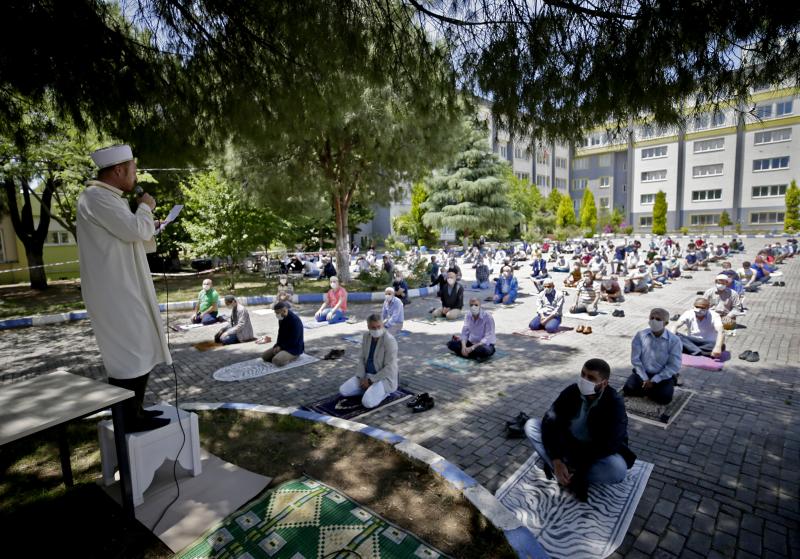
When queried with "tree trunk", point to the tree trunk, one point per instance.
{"points": [[340, 207], [32, 236], [37, 273]]}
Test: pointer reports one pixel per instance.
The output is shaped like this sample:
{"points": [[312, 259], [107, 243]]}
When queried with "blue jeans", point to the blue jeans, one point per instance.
{"points": [[338, 316], [511, 298], [552, 324], [611, 469], [229, 340], [210, 318], [481, 285]]}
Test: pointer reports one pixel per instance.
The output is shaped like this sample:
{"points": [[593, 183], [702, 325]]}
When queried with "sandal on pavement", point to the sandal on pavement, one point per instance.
{"points": [[587, 330], [579, 329]]}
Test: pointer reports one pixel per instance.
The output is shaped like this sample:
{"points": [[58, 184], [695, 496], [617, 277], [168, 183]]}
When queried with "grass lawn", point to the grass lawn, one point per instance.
{"points": [[65, 295], [47, 519]]}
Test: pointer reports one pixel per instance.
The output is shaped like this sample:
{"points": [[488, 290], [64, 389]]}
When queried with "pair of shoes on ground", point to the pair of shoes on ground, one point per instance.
{"points": [[675, 317], [618, 312], [334, 354], [515, 429], [420, 402], [779, 284], [583, 329], [751, 356]]}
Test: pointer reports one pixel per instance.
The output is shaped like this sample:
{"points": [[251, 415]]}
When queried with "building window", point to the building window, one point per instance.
{"points": [[595, 140], [770, 164], [769, 191], [604, 161], [717, 119], [561, 162], [646, 221], [561, 184], [654, 176], [543, 180], [766, 217], [715, 144], [542, 158], [523, 176], [783, 108], [706, 195], [707, 170], [579, 184], [580, 163], [701, 121], [648, 199], [604, 203], [773, 136], [705, 219], [653, 153], [605, 182], [763, 111], [58, 238], [504, 152]]}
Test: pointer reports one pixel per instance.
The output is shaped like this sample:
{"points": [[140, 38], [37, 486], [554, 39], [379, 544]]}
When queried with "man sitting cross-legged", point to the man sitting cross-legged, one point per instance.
{"points": [[477, 336], [550, 305], [639, 281], [376, 372], [393, 312], [725, 301], [656, 360], [481, 274], [587, 296], [289, 345], [705, 334], [451, 294], [583, 437], [505, 287]]}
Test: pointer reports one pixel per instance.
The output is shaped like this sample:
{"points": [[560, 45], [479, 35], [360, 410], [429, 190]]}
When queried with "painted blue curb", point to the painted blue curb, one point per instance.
{"points": [[73, 316], [520, 538]]}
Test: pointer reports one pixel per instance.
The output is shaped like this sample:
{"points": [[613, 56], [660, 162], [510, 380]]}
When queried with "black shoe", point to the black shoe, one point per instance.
{"points": [[423, 405], [548, 471], [700, 292], [521, 419], [753, 357], [146, 424], [334, 354], [677, 378], [744, 355], [150, 413], [580, 488], [416, 399], [675, 317]]}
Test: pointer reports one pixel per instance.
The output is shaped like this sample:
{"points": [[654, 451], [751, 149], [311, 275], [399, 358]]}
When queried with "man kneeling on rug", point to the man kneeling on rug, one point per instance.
{"points": [[289, 345], [583, 437], [477, 335], [656, 360], [240, 328], [376, 375]]}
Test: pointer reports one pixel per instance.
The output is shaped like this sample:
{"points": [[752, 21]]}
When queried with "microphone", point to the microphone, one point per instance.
{"points": [[138, 191]]}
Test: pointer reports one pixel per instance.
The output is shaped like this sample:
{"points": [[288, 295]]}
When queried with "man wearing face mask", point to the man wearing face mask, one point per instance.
{"points": [[477, 335], [724, 301], [289, 345], [505, 287], [656, 360], [334, 305], [481, 274], [207, 304], [538, 267], [583, 437], [587, 296], [285, 289], [550, 305], [392, 313], [240, 329], [376, 373], [639, 281], [451, 294], [400, 287], [705, 333]]}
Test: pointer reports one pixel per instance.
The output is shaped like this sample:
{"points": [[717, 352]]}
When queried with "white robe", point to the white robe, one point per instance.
{"points": [[116, 284]]}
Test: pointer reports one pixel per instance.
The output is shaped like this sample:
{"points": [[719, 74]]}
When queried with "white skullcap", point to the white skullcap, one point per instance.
{"points": [[723, 277], [112, 155]]}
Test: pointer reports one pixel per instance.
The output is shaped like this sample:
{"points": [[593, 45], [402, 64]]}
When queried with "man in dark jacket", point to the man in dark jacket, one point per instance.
{"points": [[289, 345], [451, 295], [583, 437]]}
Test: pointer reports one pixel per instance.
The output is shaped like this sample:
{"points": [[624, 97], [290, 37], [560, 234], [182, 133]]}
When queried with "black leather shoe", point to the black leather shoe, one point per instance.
{"points": [[743, 356], [423, 405], [753, 357], [416, 399]]}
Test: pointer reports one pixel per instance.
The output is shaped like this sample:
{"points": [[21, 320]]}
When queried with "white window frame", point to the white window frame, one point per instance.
{"points": [[650, 197], [706, 194], [694, 220], [646, 221], [772, 134], [780, 104], [661, 179], [759, 222], [698, 174], [766, 109], [706, 142], [604, 160], [64, 239], [504, 152], [656, 152], [580, 163], [607, 182], [607, 205], [561, 162], [771, 168], [769, 188]]}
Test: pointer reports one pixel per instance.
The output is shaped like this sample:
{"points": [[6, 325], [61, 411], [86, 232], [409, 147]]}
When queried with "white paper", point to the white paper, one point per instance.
{"points": [[173, 213]]}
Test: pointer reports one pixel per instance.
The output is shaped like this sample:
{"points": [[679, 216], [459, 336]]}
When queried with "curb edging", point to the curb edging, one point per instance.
{"points": [[520, 538]]}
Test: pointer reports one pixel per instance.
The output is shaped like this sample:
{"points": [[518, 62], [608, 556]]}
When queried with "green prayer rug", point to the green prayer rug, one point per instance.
{"points": [[457, 364], [306, 519]]}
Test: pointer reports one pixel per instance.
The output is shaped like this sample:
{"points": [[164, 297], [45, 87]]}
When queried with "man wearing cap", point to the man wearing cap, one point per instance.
{"points": [[705, 334], [116, 285], [724, 301], [550, 305], [656, 360], [240, 328]]}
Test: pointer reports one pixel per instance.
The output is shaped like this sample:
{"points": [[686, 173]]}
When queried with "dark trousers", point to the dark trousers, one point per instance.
{"points": [[210, 318], [482, 351], [660, 393], [696, 346], [138, 385]]}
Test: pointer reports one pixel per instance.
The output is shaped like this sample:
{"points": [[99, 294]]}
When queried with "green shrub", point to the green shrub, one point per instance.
{"points": [[684, 230], [627, 230], [418, 275], [376, 279]]}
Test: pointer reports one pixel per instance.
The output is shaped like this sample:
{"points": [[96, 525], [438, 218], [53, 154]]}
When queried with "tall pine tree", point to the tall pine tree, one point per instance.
{"points": [[791, 220], [660, 214], [565, 216]]}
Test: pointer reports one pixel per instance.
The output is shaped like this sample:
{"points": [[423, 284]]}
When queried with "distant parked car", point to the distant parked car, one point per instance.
{"points": [[200, 264]]}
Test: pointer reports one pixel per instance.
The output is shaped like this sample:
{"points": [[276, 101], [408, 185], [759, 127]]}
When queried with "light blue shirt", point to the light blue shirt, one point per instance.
{"points": [[392, 313], [480, 329], [656, 358]]}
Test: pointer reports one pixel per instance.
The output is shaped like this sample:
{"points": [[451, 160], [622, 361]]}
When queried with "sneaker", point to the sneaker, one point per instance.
{"points": [[423, 405]]}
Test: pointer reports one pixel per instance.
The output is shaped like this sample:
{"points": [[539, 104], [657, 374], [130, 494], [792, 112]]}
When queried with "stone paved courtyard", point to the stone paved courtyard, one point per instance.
{"points": [[727, 471]]}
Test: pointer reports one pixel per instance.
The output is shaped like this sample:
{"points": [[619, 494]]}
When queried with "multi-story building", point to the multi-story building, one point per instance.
{"points": [[600, 164]]}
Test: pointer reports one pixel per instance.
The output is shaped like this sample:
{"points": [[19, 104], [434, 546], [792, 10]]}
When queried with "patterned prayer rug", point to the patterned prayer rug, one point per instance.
{"points": [[350, 407], [644, 409], [703, 362], [457, 364], [542, 334], [567, 528], [254, 368], [305, 519]]}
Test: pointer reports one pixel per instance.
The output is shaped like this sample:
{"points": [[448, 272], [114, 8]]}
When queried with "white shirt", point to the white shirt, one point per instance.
{"points": [[116, 284], [706, 329]]}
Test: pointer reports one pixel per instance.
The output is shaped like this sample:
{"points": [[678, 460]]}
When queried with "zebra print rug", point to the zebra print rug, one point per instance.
{"points": [[565, 527]]}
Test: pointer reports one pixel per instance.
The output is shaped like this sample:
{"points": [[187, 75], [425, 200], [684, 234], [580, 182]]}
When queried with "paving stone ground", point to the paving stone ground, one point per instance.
{"points": [[727, 471]]}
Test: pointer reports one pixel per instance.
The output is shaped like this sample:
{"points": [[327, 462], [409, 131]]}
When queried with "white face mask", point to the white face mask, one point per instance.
{"points": [[280, 316], [451, 281], [206, 288], [389, 298], [549, 290], [475, 309], [721, 287], [700, 312], [377, 333], [656, 325], [334, 285], [587, 387], [283, 281]]}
